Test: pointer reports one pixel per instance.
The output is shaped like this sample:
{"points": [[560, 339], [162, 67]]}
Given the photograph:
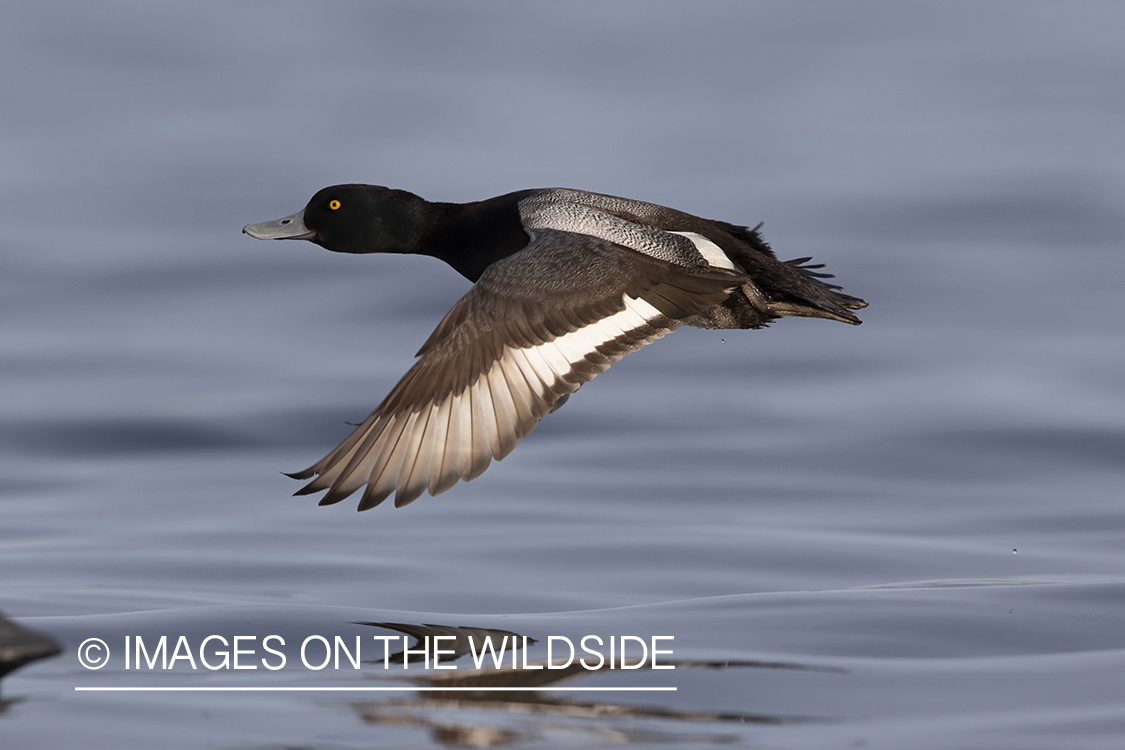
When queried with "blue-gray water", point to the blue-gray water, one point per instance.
{"points": [[908, 534]]}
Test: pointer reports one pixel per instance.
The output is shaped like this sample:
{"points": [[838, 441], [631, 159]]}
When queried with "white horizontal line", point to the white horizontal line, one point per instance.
{"points": [[164, 689]]}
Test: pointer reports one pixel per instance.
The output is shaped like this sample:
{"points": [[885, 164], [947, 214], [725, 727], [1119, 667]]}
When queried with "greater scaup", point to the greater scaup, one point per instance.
{"points": [[566, 284]]}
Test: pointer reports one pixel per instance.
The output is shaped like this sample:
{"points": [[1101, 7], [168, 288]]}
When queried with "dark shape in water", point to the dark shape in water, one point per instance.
{"points": [[19, 646]]}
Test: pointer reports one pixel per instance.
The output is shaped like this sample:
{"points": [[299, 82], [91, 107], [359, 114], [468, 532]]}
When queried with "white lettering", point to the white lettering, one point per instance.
{"points": [[587, 649], [497, 658], [340, 646], [550, 658], [386, 639], [327, 652], [161, 651], [266, 646], [525, 664], [424, 651], [656, 651], [225, 664], [182, 644], [238, 651], [644, 652], [439, 651]]}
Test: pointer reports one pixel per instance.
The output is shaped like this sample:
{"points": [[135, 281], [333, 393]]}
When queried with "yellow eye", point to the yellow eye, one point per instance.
{"points": [[333, 204]]}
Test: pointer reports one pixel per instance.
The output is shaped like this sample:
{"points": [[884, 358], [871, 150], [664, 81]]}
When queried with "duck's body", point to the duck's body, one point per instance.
{"points": [[566, 283]]}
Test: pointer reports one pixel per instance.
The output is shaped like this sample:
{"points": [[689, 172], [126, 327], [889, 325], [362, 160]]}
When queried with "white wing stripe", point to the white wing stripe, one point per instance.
{"points": [[555, 359], [577, 345]]}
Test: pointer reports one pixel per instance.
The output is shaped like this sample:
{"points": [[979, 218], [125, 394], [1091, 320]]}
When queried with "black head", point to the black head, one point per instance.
{"points": [[353, 219], [365, 219]]}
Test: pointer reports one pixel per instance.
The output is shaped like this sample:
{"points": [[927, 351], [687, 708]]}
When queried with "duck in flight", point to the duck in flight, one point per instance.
{"points": [[566, 283]]}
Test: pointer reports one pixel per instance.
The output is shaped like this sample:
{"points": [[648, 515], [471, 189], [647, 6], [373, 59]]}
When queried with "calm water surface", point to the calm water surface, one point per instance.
{"points": [[907, 534]]}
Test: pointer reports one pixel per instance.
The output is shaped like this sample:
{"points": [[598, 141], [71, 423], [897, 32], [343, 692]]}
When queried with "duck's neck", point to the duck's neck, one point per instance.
{"points": [[470, 237]]}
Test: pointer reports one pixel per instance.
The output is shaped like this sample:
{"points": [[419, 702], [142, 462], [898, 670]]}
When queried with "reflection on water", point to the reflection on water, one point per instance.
{"points": [[481, 734], [791, 668], [474, 694]]}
